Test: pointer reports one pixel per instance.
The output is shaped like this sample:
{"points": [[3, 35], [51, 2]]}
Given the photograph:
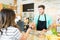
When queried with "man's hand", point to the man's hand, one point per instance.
{"points": [[32, 25], [44, 30]]}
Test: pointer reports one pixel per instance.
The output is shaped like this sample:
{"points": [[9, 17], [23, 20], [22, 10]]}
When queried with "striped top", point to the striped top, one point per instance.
{"points": [[12, 33]]}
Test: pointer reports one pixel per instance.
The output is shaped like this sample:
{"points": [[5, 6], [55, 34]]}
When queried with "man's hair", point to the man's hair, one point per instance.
{"points": [[41, 6]]}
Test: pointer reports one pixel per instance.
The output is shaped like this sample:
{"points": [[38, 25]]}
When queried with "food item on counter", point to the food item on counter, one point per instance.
{"points": [[54, 31], [49, 32], [52, 37]]}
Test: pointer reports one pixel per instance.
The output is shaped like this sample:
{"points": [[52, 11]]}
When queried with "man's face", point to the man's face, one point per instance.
{"points": [[41, 10]]}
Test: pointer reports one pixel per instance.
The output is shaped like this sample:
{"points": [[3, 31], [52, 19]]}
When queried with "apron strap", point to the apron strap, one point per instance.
{"points": [[44, 16], [38, 17]]}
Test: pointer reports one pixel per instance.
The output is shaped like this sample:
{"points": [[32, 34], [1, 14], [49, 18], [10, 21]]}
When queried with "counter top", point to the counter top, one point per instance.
{"points": [[34, 35]]}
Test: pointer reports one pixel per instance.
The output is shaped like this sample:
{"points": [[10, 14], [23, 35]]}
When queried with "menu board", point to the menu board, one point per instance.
{"points": [[28, 7]]}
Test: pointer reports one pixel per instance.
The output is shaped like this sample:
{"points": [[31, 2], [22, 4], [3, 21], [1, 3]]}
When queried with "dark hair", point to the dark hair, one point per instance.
{"points": [[28, 19], [2, 21], [41, 6], [10, 18]]}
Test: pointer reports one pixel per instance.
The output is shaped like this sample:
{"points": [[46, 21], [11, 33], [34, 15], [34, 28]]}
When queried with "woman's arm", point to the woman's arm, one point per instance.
{"points": [[25, 35]]}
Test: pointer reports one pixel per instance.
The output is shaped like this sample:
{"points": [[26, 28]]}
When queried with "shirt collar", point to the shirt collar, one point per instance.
{"points": [[41, 15]]}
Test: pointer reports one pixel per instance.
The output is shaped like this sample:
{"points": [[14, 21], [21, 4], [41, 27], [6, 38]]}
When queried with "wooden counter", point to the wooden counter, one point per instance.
{"points": [[33, 37], [45, 37]]}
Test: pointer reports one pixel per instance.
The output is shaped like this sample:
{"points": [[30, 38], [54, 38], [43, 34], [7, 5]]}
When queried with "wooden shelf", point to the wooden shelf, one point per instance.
{"points": [[1, 6]]}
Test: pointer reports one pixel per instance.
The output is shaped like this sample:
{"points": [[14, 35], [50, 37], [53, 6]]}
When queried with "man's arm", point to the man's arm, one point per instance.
{"points": [[49, 25]]}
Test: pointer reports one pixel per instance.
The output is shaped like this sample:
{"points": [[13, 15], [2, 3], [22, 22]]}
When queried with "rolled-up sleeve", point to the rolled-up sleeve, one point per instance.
{"points": [[49, 21]]}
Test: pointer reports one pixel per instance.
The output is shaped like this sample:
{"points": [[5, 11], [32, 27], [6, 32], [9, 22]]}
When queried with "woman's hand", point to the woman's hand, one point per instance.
{"points": [[25, 35]]}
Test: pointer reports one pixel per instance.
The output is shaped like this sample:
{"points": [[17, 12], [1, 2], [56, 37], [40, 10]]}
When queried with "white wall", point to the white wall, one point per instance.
{"points": [[52, 8], [6, 1], [28, 1], [18, 6]]}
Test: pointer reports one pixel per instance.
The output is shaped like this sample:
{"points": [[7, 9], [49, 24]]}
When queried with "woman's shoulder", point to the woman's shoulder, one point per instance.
{"points": [[12, 29]]}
